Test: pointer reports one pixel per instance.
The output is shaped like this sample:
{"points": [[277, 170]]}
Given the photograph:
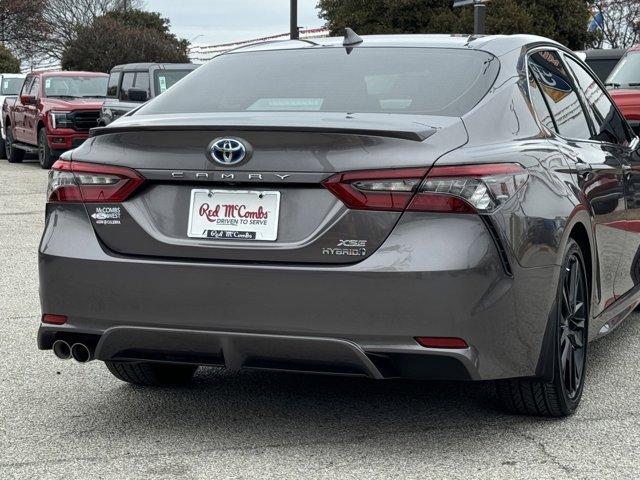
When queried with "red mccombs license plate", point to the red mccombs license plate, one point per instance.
{"points": [[234, 214]]}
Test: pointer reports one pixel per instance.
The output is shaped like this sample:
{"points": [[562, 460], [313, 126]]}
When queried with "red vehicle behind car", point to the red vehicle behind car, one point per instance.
{"points": [[624, 86], [53, 114]]}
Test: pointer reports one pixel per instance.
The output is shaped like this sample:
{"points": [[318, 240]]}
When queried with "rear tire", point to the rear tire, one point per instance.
{"points": [[14, 155], [152, 374], [560, 397], [3, 148], [45, 156]]}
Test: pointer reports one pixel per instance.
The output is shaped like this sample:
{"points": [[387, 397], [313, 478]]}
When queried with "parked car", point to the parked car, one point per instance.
{"points": [[133, 84], [624, 86], [346, 207], [53, 114], [602, 60], [10, 85]]}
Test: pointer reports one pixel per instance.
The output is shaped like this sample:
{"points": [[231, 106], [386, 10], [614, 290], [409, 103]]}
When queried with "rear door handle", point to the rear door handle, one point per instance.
{"points": [[578, 167], [582, 167]]}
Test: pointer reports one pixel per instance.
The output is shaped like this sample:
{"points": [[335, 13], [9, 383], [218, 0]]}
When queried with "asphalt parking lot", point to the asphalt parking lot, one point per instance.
{"points": [[65, 420]]}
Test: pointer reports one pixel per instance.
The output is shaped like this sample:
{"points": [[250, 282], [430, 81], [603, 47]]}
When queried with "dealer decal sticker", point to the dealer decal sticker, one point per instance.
{"points": [[106, 215]]}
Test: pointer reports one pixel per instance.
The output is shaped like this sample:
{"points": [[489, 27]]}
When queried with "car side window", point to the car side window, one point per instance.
{"points": [[127, 83], [26, 86], [564, 103], [35, 87], [142, 82], [112, 86], [539, 104], [610, 126]]}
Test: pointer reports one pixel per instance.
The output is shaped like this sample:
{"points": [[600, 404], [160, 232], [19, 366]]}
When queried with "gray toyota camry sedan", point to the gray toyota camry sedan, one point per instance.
{"points": [[431, 207]]}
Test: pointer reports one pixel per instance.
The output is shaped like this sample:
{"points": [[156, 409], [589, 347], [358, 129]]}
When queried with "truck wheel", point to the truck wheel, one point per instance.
{"points": [[45, 156], [14, 155], [152, 374]]}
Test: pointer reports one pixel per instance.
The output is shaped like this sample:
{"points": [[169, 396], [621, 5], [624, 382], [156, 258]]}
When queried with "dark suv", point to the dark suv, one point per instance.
{"points": [[133, 84]]}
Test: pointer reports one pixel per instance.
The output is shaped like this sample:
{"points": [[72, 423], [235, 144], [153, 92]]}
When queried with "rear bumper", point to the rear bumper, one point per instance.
{"points": [[356, 319]]}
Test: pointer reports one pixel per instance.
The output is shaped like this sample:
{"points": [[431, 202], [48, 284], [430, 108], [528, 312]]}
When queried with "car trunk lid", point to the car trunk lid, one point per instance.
{"points": [[291, 156]]}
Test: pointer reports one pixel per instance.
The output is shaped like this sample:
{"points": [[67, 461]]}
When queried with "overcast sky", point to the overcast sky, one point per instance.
{"points": [[222, 21]]}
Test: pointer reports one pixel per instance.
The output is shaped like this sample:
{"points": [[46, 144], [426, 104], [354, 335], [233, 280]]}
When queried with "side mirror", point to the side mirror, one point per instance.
{"points": [[27, 99], [137, 95]]}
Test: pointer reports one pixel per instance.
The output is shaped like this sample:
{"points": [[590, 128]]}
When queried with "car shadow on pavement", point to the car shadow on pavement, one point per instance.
{"points": [[310, 408]]}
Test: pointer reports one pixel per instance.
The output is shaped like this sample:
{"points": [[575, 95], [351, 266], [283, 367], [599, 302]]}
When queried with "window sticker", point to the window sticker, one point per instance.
{"points": [[163, 83], [47, 83], [5, 84]]}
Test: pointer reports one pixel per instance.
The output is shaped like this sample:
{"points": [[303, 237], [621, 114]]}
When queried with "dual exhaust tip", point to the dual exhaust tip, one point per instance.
{"points": [[78, 351]]}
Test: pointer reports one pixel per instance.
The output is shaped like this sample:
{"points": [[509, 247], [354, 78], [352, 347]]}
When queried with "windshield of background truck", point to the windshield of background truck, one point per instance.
{"points": [[11, 86], [76, 87]]}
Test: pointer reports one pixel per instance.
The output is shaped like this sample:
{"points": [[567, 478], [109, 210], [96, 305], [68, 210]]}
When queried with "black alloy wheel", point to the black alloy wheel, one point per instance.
{"points": [[573, 327], [45, 156], [569, 318]]}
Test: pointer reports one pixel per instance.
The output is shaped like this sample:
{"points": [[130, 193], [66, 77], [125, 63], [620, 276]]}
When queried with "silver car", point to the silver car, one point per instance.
{"points": [[432, 207]]}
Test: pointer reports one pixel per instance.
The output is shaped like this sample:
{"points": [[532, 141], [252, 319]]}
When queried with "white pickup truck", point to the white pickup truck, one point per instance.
{"points": [[10, 86]]}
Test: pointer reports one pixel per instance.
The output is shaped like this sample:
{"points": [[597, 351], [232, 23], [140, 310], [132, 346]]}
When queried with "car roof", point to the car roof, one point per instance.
{"points": [[604, 53], [495, 44], [148, 65]]}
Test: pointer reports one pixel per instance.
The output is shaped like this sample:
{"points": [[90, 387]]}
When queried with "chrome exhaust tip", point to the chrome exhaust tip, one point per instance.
{"points": [[61, 349], [81, 353]]}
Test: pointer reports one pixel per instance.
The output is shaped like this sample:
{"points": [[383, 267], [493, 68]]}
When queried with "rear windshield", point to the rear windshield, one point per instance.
{"points": [[165, 79], [431, 81], [627, 71], [11, 86]]}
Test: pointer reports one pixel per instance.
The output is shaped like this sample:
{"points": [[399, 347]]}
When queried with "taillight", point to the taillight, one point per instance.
{"points": [[469, 188], [88, 182], [376, 189], [455, 189]]}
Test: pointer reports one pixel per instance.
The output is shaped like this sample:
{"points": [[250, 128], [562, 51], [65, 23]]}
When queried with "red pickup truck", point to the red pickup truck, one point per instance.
{"points": [[624, 86], [52, 114]]}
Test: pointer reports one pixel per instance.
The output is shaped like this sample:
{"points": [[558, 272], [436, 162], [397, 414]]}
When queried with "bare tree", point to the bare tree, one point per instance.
{"points": [[65, 17], [20, 21], [618, 23]]}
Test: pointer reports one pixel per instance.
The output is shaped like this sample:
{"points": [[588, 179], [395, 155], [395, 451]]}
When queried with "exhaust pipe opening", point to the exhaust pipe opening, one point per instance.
{"points": [[61, 349], [81, 353]]}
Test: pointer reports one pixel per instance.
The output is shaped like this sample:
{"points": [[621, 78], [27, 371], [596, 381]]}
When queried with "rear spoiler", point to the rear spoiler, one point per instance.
{"points": [[418, 133]]}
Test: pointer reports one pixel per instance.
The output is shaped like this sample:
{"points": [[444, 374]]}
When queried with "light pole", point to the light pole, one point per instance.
{"points": [[295, 33], [479, 13]]}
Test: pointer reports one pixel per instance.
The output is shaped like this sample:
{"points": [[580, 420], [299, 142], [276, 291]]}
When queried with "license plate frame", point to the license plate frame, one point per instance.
{"points": [[235, 215]]}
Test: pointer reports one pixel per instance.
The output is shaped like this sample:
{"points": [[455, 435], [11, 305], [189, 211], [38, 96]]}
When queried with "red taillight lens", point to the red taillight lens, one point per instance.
{"points": [[376, 189], [88, 182], [442, 342], [54, 319], [456, 189]]}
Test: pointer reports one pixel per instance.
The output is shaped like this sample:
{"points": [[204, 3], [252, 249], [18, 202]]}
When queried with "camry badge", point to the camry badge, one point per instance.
{"points": [[228, 151]]}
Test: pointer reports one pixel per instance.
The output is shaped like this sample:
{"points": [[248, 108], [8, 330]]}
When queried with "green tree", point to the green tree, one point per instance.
{"points": [[124, 37], [8, 62], [562, 20]]}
